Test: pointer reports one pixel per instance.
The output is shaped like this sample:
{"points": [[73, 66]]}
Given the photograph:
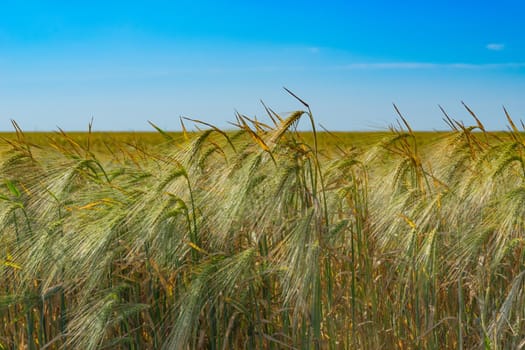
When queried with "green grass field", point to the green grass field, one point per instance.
{"points": [[263, 238]]}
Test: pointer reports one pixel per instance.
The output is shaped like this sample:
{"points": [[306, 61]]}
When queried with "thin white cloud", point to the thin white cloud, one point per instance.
{"points": [[495, 47], [427, 65], [389, 65]]}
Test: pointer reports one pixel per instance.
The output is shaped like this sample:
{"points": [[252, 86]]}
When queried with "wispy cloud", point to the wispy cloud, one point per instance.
{"points": [[427, 65], [495, 47]]}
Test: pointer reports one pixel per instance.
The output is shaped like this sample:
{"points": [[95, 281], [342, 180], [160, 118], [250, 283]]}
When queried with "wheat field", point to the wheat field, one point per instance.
{"points": [[263, 237]]}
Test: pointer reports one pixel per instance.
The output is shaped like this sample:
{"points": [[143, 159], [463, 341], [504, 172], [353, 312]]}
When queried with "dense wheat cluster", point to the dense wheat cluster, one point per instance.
{"points": [[257, 238]]}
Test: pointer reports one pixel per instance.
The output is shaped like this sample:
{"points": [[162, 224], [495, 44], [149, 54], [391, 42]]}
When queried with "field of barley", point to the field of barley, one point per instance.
{"points": [[263, 237]]}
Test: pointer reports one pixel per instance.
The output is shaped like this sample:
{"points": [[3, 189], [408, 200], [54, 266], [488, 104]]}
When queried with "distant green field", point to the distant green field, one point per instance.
{"points": [[100, 140]]}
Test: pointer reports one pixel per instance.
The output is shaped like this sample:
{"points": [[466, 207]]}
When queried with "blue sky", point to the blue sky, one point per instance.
{"points": [[126, 62]]}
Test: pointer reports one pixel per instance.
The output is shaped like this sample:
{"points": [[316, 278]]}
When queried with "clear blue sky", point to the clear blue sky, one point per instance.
{"points": [[126, 62]]}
